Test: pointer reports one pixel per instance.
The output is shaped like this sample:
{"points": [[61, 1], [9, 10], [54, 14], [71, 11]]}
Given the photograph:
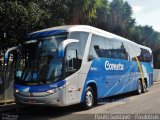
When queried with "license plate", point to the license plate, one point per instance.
{"points": [[32, 101]]}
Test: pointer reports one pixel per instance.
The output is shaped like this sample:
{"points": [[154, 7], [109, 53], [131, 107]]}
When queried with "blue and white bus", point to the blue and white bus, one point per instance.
{"points": [[67, 65]]}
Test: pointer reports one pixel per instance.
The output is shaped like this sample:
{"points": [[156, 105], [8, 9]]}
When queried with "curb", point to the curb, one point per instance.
{"points": [[8, 107], [6, 103]]}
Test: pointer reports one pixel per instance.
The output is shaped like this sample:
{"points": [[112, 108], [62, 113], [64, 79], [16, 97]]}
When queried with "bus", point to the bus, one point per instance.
{"points": [[67, 65]]}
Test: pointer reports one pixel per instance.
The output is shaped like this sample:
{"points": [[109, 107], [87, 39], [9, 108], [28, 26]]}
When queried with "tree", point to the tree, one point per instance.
{"points": [[102, 15], [18, 20], [121, 21], [82, 11]]}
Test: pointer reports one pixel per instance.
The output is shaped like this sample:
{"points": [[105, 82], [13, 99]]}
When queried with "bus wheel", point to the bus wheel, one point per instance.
{"points": [[144, 88], [139, 89], [89, 98]]}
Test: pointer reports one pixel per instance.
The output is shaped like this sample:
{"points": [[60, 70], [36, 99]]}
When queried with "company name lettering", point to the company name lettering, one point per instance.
{"points": [[110, 66]]}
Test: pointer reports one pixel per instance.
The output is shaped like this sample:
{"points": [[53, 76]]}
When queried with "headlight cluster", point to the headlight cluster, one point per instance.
{"points": [[17, 91], [51, 91], [56, 89]]}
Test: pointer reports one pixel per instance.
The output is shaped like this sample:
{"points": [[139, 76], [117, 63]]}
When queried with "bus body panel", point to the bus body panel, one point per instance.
{"points": [[39, 95], [111, 76], [107, 82], [148, 73], [72, 90], [113, 81]]}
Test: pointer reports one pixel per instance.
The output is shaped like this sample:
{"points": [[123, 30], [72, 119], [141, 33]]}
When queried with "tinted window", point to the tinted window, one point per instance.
{"points": [[145, 55], [135, 52], [73, 59], [108, 48], [97, 47], [74, 52], [82, 37], [116, 49]]}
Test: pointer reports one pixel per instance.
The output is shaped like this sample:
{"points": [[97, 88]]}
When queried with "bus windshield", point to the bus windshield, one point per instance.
{"points": [[38, 62]]}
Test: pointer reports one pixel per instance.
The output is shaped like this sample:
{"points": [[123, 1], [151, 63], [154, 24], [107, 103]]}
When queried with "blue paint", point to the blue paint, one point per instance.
{"points": [[42, 88], [149, 70], [117, 80], [61, 53], [42, 34]]}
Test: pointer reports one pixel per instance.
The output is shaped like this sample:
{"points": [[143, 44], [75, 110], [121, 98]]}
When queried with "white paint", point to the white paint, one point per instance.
{"points": [[110, 66]]}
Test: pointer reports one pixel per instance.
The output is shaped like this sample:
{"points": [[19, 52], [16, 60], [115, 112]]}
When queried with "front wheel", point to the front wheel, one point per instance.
{"points": [[89, 98]]}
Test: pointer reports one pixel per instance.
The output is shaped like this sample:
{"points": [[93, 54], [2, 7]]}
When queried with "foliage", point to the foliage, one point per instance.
{"points": [[20, 17]]}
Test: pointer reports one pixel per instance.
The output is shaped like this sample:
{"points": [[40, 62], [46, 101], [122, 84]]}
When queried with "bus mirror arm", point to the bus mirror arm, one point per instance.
{"points": [[63, 45], [90, 58], [6, 55]]}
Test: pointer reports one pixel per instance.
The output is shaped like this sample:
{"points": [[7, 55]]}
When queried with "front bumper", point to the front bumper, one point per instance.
{"points": [[55, 99]]}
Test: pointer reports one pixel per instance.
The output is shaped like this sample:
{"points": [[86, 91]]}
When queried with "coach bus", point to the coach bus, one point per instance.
{"points": [[67, 65]]}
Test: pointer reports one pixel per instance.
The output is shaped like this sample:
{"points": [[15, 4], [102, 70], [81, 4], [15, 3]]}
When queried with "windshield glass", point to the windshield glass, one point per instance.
{"points": [[39, 63]]}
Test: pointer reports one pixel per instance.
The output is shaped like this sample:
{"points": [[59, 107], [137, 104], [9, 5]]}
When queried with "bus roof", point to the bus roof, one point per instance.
{"points": [[84, 28]]}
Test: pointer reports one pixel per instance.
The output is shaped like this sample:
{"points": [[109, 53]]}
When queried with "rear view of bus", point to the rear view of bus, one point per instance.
{"points": [[67, 65]]}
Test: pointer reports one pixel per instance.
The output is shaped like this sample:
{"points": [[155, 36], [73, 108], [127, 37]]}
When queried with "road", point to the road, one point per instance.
{"points": [[147, 103]]}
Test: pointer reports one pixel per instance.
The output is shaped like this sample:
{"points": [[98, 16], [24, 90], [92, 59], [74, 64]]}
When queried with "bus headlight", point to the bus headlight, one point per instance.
{"points": [[54, 90], [16, 90], [57, 89], [51, 91]]}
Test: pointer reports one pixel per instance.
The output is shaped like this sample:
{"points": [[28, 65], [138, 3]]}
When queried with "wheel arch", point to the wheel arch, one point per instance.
{"points": [[92, 84], [145, 80]]}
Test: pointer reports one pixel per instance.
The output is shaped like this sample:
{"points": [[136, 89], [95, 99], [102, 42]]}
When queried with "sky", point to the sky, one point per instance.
{"points": [[146, 12]]}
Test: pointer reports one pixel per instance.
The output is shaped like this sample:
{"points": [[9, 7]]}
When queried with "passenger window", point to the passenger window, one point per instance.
{"points": [[117, 49], [107, 48], [97, 47], [136, 53], [121, 51], [145, 55], [113, 48]]}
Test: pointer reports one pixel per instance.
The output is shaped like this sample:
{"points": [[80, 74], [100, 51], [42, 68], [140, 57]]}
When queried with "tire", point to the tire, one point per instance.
{"points": [[89, 98], [144, 88], [139, 88]]}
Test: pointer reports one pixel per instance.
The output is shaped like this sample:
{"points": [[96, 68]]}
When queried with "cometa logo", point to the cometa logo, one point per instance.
{"points": [[109, 66]]}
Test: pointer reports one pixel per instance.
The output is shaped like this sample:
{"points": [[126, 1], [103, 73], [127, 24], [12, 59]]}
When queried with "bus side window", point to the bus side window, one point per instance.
{"points": [[97, 47]]}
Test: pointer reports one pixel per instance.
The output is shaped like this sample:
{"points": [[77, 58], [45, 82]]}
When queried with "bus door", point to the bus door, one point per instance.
{"points": [[72, 74]]}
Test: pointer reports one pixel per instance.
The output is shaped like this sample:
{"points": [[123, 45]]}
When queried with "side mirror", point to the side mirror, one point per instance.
{"points": [[7, 54], [63, 45], [91, 57]]}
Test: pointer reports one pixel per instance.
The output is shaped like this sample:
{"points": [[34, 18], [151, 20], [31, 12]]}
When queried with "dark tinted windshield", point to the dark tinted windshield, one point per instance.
{"points": [[39, 63]]}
